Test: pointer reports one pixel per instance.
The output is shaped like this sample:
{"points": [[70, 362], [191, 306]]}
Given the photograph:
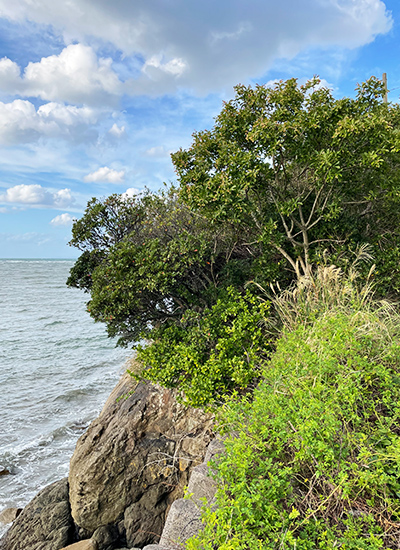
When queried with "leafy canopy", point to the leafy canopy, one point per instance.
{"points": [[148, 259], [157, 271], [304, 170]]}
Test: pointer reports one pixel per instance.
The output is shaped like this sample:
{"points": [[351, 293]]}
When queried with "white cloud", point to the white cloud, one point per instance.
{"points": [[105, 175], [76, 75], [9, 75], [67, 115], [175, 67], [62, 219], [35, 195], [131, 192], [186, 44], [20, 122], [159, 152], [117, 131]]}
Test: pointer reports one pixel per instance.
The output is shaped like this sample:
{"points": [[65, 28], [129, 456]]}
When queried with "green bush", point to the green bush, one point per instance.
{"points": [[211, 353], [315, 459]]}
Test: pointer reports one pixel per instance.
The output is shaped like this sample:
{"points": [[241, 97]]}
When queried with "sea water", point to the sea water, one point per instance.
{"points": [[57, 368]]}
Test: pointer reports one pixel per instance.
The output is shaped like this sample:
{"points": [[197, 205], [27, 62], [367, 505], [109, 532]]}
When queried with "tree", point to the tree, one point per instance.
{"points": [[304, 170], [149, 259], [158, 271]]}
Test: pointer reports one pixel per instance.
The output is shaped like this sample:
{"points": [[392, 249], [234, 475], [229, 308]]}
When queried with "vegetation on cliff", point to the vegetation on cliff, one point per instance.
{"points": [[314, 461], [281, 194]]}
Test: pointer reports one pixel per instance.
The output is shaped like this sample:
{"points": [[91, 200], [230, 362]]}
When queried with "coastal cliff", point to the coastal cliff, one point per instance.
{"points": [[128, 468]]}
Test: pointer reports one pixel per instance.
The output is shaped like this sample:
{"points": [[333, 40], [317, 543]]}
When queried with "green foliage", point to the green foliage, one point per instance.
{"points": [[172, 278], [287, 173], [105, 223], [302, 169], [148, 259], [313, 459], [209, 354], [81, 274]]}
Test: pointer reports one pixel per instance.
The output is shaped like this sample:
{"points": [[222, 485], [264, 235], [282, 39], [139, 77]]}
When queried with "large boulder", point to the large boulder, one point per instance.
{"points": [[44, 524], [134, 461]]}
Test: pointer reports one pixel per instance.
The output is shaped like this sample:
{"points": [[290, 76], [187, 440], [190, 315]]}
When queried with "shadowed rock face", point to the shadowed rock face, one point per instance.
{"points": [[44, 524], [134, 461]]}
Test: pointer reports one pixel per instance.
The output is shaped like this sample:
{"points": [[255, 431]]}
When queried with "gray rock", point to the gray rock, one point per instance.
{"points": [[105, 536], [214, 450], [184, 518], [184, 521], [44, 524], [9, 515], [134, 461], [201, 486]]}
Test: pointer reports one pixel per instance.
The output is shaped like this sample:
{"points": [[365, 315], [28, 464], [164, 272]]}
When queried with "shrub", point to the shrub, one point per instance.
{"points": [[315, 459], [209, 354]]}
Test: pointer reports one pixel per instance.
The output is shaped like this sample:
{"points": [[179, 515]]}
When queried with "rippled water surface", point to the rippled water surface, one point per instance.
{"points": [[57, 368]]}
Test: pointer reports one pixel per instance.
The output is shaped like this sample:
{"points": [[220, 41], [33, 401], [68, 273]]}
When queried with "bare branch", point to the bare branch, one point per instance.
{"points": [[315, 203], [289, 259], [338, 241]]}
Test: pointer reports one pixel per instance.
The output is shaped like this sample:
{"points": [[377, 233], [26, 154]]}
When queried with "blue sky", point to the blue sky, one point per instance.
{"points": [[95, 95]]}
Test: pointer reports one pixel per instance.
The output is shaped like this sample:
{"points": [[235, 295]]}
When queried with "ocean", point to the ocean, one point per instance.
{"points": [[57, 368]]}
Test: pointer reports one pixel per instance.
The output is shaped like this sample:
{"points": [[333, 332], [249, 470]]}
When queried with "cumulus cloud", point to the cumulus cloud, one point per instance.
{"points": [[131, 192], [37, 196], [76, 75], [196, 45], [117, 131], [9, 75], [105, 175], [62, 220], [20, 122]]}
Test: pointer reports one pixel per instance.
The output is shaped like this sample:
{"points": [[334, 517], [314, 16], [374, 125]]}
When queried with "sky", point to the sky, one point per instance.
{"points": [[95, 95]]}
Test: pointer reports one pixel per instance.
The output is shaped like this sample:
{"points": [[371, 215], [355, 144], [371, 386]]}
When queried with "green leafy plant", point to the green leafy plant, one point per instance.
{"points": [[210, 354], [147, 260], [286, 173], [313, 458], [170, 277]]}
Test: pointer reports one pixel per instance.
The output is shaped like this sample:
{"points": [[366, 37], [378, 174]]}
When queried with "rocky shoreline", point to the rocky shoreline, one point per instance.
{"points": [[127, 475]]}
